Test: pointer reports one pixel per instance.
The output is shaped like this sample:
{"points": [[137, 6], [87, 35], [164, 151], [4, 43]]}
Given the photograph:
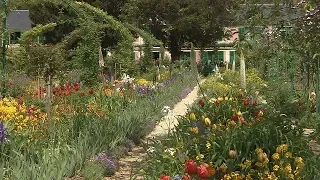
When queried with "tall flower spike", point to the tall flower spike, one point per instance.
{"points": [[3, 133]]}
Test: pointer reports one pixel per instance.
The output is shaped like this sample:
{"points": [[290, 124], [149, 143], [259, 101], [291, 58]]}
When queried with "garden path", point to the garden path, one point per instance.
{"points": [[130, 164]]}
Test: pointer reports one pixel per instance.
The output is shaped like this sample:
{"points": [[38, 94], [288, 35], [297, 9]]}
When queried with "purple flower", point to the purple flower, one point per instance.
{"points": [[177, 177], [109, 161], [3, 133]]}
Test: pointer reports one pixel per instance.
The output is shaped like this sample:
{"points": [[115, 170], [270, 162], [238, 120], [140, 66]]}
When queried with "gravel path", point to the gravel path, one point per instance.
{"points": [[130, 164]]}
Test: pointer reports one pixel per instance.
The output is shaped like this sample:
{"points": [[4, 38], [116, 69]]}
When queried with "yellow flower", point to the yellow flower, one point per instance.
{"points": [[208, 145], [299, 162], [214, 126], [276, 156], [200, 156], [220, 99], [260, 113], [276, 168], [288, 168], [207, 121], [288, 155], [230, 99], [259, 150], [232, 154], [259, 164], [195, 130], [239, 113], [282, 148], [246, 164], [291, 176], [226, 98], [192, 117]]}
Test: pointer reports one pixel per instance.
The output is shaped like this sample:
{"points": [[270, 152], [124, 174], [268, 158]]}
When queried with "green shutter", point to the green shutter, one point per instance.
{"points": [[232, 56], [205, 56], [220, 56], [242, 32]]}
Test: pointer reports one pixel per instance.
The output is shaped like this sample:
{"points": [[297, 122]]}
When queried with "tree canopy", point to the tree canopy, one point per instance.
{"points": [[177, 22]]}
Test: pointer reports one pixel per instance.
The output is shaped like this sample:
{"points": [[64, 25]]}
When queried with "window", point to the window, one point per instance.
{"points": [[220, 56], [14, 37]]}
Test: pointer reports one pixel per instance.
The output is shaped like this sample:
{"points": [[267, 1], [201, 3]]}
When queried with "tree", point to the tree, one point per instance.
{"points": [[177, 22], [112, 7]]}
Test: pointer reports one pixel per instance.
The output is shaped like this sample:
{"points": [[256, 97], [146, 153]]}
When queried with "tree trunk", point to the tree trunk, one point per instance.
{"points": [[174, 45]]}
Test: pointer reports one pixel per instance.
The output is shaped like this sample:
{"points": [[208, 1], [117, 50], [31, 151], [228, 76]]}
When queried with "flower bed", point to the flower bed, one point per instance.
{"points": [[84, 122], [232, 136]]}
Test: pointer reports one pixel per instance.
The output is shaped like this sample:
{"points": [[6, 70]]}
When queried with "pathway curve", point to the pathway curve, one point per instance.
{"points": [[130, 164]]}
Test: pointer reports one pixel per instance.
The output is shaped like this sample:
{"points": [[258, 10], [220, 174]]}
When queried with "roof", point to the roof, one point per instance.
{"points": [[18, 20]]}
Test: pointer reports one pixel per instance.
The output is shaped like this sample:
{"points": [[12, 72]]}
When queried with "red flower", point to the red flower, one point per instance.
{"points": [[76, 87], [201, 102], [186, 177], [217, 101], [190, 167], [255, 102], [235, 117], [256, 113], [203, 172], [240, 95], [242, 120], [246, 102], [164, 177], [91, 91], [82, 94], [20, 101]]}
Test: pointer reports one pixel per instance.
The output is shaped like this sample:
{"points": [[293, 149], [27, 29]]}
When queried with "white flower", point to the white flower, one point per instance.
{"points": [[171, 151], [165, 110], [264, 102], [127, 79], [151, 149], [212, 100]]}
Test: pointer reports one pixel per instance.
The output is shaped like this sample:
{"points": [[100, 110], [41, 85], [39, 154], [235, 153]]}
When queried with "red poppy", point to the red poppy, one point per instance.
{"points": [[201, 102], [240, 95], [82, 94], [164, 177], [190, 167], [203, 172], [246, 102], [256, 113], [91, 91]]}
